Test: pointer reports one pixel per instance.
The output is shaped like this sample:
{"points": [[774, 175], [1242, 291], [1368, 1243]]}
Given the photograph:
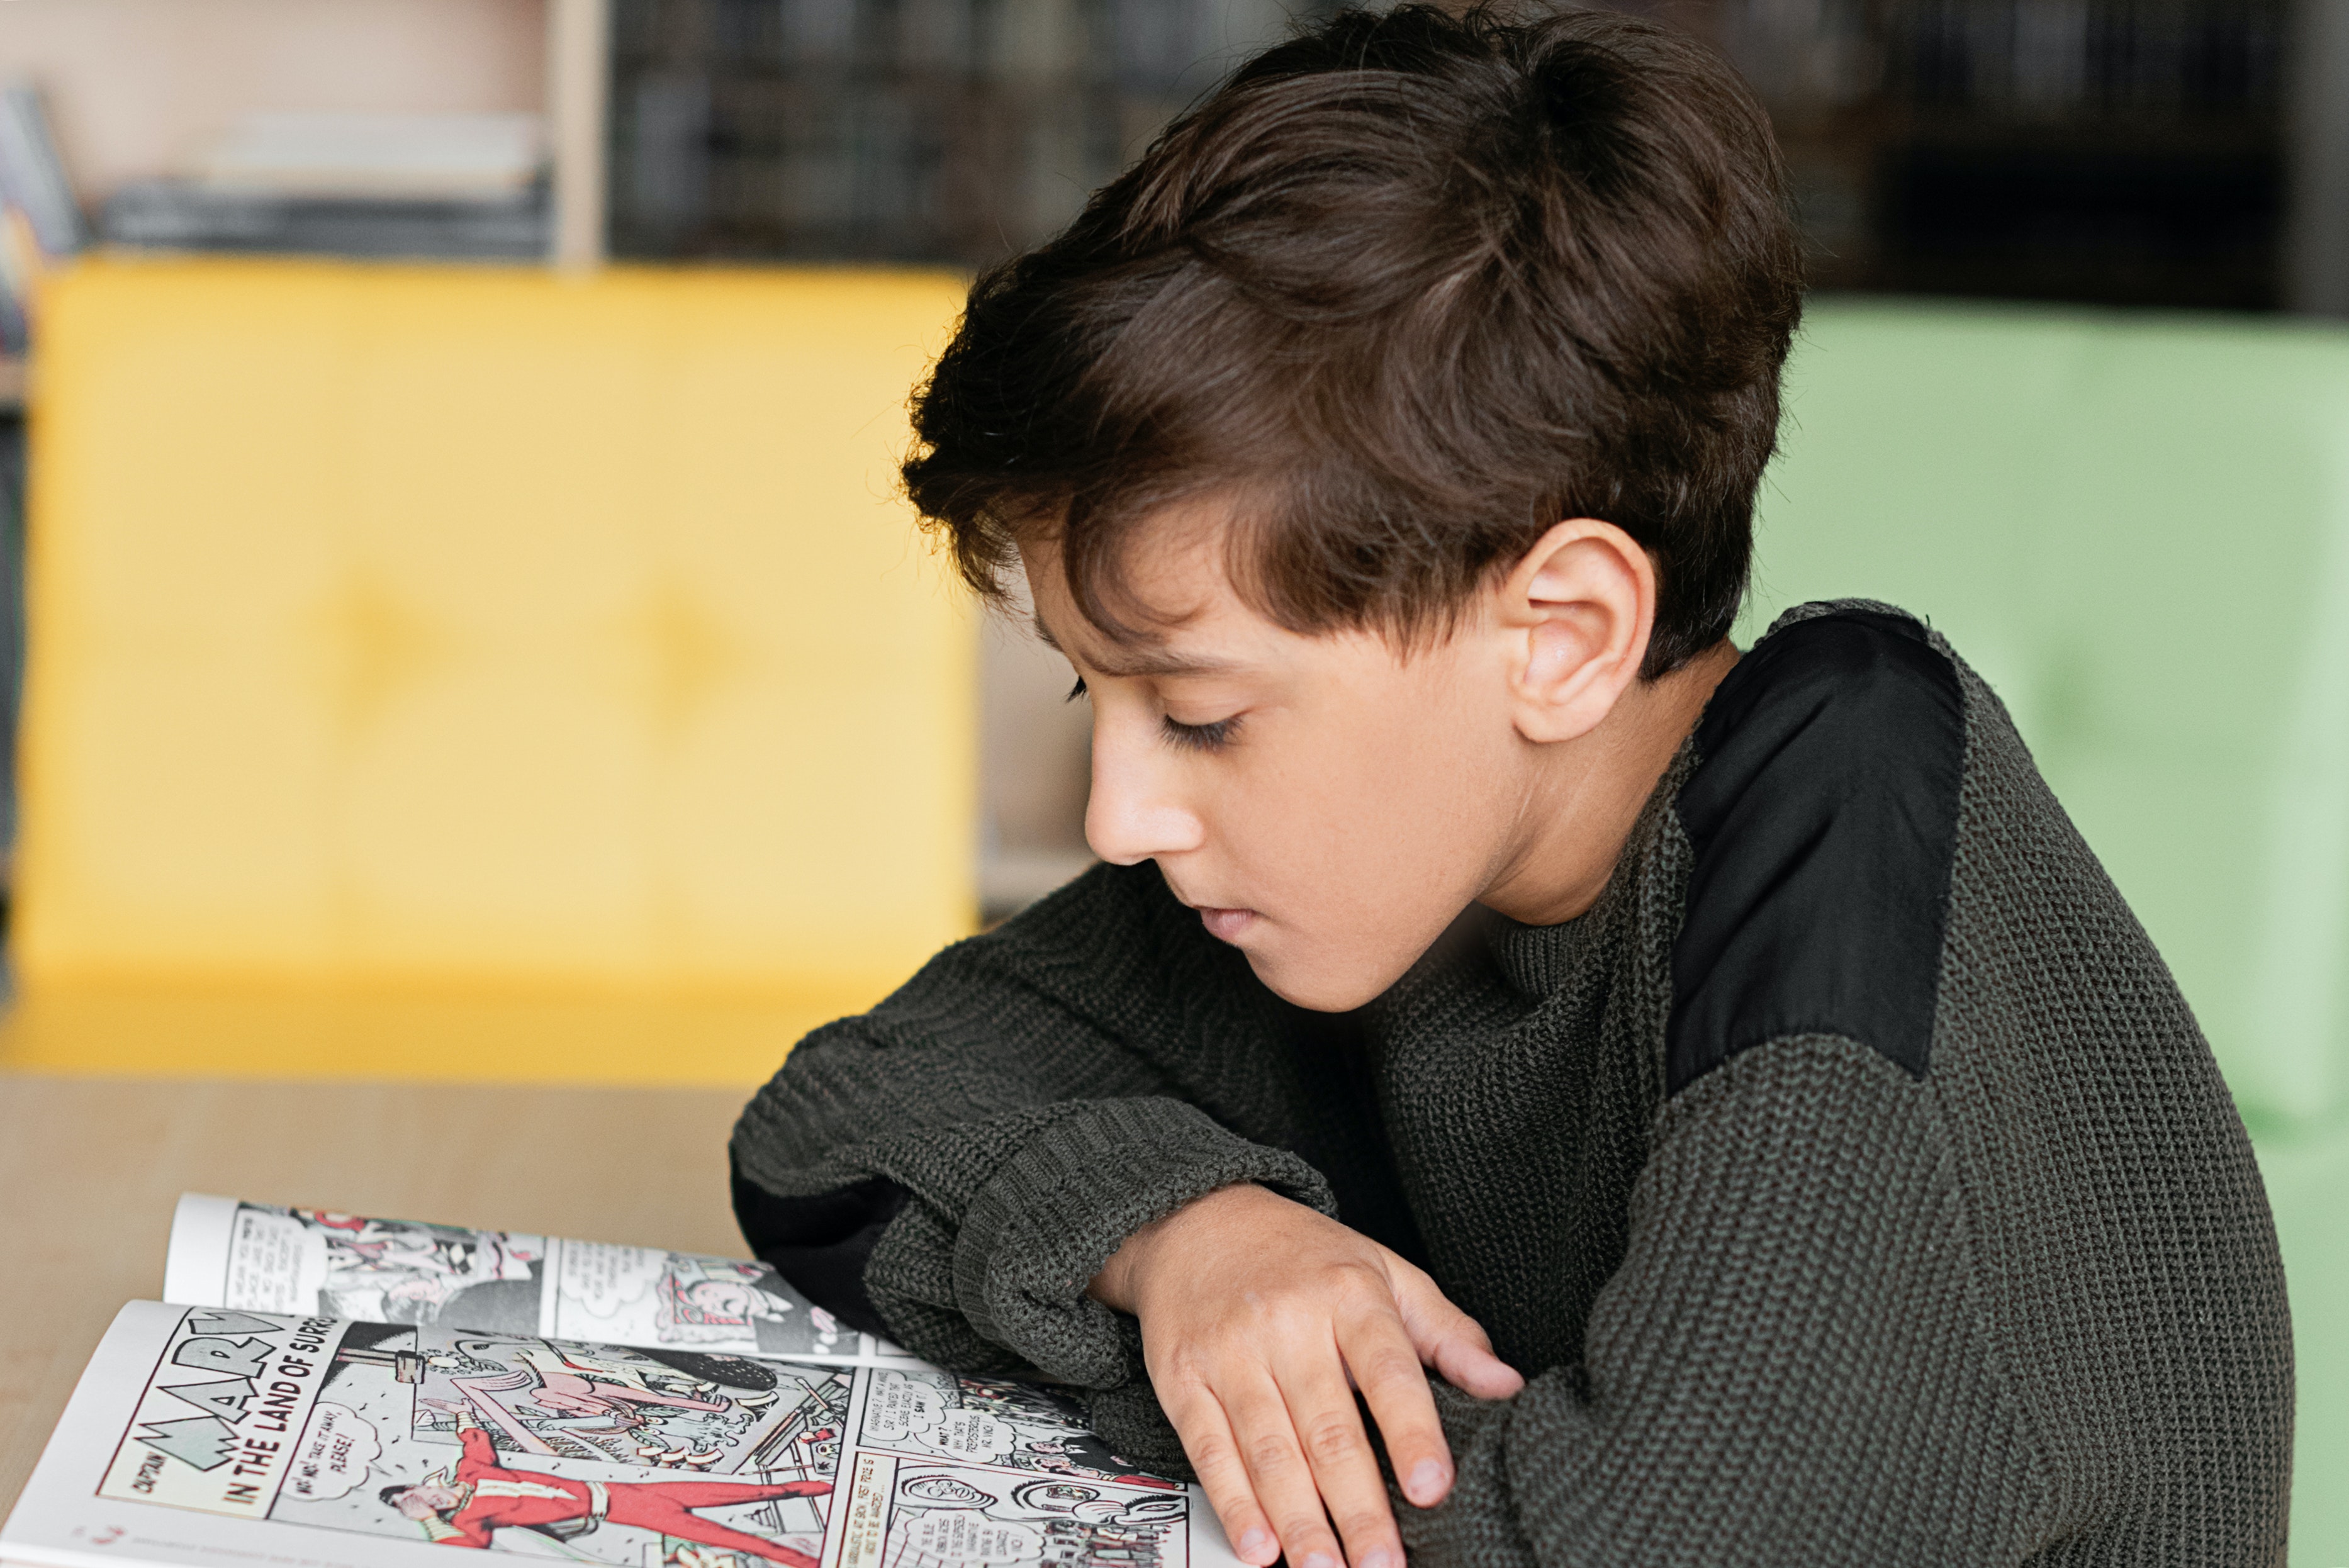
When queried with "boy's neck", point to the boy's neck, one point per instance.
{"points": [[1587, 794]]}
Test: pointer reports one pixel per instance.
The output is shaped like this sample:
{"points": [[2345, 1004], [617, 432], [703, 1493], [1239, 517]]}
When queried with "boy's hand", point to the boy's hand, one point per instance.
{"points": [[1255, 1313]]}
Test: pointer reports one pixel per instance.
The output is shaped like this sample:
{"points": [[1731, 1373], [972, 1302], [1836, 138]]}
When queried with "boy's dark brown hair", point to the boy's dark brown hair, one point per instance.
{"points": [[1405, 290]]}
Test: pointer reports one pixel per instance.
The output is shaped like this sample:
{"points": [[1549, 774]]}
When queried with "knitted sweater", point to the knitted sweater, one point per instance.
{"points": [[1851, 1182]]}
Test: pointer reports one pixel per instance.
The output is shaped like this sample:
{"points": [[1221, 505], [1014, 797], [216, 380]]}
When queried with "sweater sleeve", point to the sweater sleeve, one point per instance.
{"points": [[953, 1168], [1789, 1366]]}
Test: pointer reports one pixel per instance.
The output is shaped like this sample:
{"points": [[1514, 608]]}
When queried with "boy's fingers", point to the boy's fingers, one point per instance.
{"points": [[1449, 1340], [1394, 1386], [1321, 1411], [1278, 1473], [1475, 1369], [1207, 1440]]}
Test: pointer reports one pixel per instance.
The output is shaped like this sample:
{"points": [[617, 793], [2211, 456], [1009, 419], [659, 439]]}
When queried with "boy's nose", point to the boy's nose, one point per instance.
{"points": [[1133, 814]]}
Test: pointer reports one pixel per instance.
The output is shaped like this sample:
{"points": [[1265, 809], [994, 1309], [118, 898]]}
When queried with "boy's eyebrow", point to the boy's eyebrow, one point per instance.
{"points": [[1138, 662]]}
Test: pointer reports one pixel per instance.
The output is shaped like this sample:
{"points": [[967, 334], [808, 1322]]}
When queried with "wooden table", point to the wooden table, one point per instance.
{"points": [[89, 1169]]}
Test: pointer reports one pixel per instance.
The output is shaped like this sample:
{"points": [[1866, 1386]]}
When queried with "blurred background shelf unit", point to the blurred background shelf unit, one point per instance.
{"points": [[950, 132], [2104, 151]]}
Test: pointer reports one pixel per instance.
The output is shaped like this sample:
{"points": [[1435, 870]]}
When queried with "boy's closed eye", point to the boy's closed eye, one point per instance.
{"points": [[1213, 737]]}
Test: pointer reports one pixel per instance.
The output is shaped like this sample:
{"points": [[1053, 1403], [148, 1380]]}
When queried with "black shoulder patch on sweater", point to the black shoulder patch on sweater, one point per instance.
{"points": [[1823, 814]]}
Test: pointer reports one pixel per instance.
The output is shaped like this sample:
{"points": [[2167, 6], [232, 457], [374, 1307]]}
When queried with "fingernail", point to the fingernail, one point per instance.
{"points": [[1427, 1478], [1380, 1557], [1321, 1560], [1257, 1544]]}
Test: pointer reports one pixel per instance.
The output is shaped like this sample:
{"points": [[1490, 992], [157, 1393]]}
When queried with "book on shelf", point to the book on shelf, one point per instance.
{"points": [[32, 176], [39, 222], [455, 185], [326, 1390], [186, 215]]}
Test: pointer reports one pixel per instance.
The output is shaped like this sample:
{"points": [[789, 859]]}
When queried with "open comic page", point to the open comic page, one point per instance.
{"points": [[942, 1471], [216, 1437], [267, 1259]]}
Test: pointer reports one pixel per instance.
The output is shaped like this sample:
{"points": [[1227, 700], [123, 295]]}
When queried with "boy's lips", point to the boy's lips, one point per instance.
{"points": [[1225, 924]]}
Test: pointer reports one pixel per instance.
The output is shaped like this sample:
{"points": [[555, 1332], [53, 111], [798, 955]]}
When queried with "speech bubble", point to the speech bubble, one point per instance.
{"points": [[337, 1448], [972, 1434], [924, 1410], [276, 1263], [902, 1405], [960, 1535], [605, 1280]]}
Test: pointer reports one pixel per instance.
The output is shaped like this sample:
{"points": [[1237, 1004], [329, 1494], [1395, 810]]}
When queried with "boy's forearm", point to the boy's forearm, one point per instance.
{"points": [[1787, 1368], [980, 1236], [1048, 1221]]}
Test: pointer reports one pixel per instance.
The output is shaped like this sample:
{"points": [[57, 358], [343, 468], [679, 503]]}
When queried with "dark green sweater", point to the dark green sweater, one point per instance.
{"points": [[1851, 1184]]}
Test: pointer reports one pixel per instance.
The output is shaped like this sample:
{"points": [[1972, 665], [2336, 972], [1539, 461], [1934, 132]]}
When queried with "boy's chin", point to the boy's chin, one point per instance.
{"points": [[1318, 987]]}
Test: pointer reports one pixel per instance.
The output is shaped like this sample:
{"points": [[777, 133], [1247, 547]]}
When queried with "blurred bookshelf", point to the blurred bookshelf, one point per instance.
{"points": [[2111, 152], [2102, 151], [943, 131]]}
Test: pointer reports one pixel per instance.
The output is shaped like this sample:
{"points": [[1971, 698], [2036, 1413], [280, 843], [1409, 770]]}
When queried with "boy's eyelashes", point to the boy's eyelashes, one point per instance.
{"points": [[1200, 737], [1182, 737]]}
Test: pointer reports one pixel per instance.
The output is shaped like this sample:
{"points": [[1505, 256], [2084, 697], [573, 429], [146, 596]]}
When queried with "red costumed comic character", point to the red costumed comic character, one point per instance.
{"points": [[485, 1497]]}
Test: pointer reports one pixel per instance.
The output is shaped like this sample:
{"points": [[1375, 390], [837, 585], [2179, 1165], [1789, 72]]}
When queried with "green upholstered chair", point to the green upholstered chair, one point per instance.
{"points": [[2137, 528]]}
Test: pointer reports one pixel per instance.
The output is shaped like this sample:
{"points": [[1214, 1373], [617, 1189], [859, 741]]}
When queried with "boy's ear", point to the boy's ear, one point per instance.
{"points": [[1576, 612]]}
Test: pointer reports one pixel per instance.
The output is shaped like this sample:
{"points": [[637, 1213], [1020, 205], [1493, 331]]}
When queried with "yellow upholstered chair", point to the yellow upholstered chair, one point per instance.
{"points": [[479, 672]]}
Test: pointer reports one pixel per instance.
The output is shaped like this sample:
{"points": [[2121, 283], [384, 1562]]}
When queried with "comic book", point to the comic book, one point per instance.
{"points": [[274, 1430]]}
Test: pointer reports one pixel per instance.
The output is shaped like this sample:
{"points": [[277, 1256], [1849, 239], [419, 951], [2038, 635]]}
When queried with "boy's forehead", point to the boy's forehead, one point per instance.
{"points": [[1179, 614]]}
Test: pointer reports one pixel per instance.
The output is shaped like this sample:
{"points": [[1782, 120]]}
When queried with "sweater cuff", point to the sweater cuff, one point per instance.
{"points": [[1044, 1225]]}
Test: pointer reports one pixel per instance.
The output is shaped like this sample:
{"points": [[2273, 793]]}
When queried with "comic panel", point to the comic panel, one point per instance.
{"points": [[383, 1271], [638, 1296], [925, 1413], [479, 1497], [899, 1514], [327, 1424], [700, 1411], [264, 1258]]}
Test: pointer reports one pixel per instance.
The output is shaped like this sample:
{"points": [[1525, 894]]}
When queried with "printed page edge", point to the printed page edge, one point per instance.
{"points": [[195, 1262]]}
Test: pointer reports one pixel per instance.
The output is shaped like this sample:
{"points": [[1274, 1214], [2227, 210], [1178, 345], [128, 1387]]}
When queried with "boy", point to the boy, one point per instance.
{"points": [[1712, 1108]]}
